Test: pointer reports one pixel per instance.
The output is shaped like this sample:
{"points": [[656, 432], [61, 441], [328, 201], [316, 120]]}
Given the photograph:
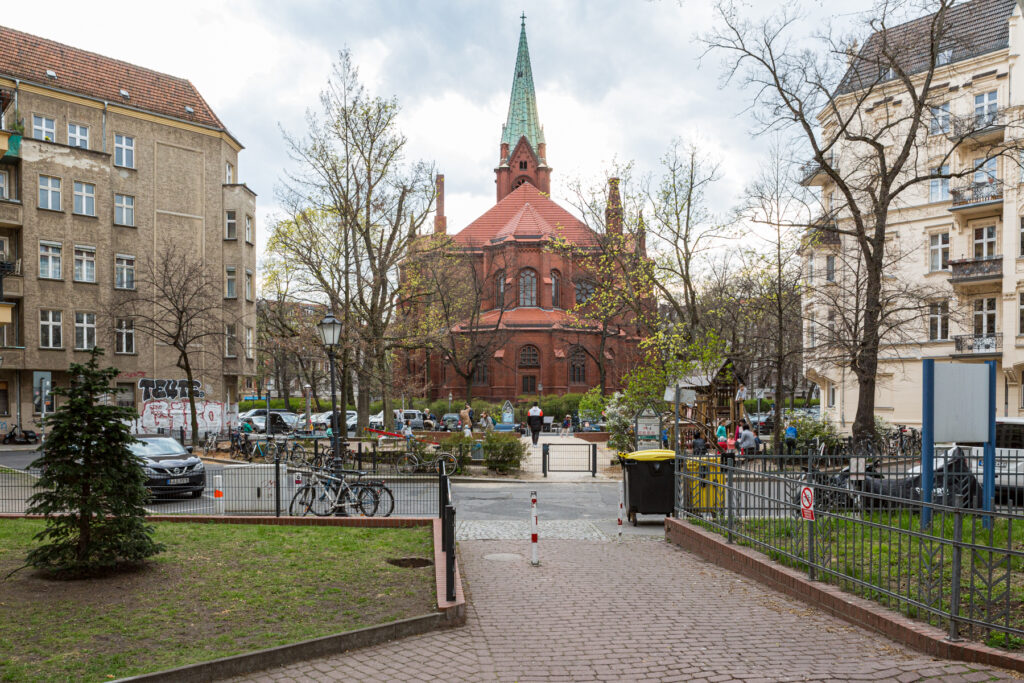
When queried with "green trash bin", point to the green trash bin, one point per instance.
{"points": [[648, 483]]}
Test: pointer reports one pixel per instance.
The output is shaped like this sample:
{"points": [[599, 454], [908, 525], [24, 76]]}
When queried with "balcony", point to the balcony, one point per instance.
{"points": [[977, 198], [812, 173], [974, 274], [822, 232], [978, 344], [979, 128], [11, 214], [10, 144]]}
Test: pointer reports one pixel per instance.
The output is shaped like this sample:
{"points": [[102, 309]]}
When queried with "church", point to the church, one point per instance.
{"points": [[531, 287]]}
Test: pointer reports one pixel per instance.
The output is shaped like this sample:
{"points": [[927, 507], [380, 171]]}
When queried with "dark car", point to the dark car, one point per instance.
{"points": [[953, 485], [450, 422], [170, 468]]}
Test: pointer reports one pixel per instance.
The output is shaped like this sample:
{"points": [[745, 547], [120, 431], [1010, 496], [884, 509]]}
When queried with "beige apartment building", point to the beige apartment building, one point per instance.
{"points": [[103, 165]]}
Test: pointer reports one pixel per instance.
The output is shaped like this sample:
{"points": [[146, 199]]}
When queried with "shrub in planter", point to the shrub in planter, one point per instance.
{"points": [[503, 452]]}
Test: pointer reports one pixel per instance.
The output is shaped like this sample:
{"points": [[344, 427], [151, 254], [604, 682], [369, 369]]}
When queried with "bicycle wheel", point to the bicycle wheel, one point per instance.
{"points": [[324, 501], [366, 500], [448, 461], [302, 501], [407, 464], [385, 500], [297, 455]]}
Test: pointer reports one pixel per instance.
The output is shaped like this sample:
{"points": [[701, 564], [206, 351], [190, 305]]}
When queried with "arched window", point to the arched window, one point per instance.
{"points": [[529, 357], [499, 289], [527, 288], [556, 294], [480, 373], [578, 366], [584, 290]]}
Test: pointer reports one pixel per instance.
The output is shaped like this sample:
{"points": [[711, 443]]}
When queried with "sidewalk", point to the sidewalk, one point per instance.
{"points": [[533, 466], [636, 610]]}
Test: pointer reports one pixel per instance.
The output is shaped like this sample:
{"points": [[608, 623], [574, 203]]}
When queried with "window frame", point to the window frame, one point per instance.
{"points": [[75, 136], [54, 187], [584, 286], [250, 285], [533, 361], [250, 347], [5, 184], [230, 337], [938, 321], [939, 122], [128, 267], [124, 337], [577, 366], [230, 282], [987, 242], [529, 384], [938, 188], [124, 149], [986, 314], [229, 173], [87, 193], [556, 286], [88, 257], [527, 288], [938, 248], [51, 324], [39, 124], [125, 208], [230, 224], [83, 325], [830, 268], [51, 257], [250, 232]]}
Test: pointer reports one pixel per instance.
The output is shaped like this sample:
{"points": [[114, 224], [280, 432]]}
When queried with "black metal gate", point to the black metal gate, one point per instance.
{"points": [[569, 457]]}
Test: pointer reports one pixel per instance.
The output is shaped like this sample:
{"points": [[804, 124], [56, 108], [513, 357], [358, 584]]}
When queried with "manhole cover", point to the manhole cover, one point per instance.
{"points": [[503, 557], [410, 562]]}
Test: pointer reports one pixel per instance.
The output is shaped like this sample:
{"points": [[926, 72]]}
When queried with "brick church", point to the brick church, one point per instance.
{"points": [[531, 287]]}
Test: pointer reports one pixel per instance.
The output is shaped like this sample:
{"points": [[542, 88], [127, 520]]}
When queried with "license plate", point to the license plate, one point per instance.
{"points": [[172, 482]]}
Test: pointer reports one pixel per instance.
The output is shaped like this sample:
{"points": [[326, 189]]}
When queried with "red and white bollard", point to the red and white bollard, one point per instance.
{"points": [[218, 495], [622, 487], [534, 524]]}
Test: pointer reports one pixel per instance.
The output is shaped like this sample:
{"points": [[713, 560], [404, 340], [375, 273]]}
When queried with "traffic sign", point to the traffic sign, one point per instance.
{"points": [[807, 503]]}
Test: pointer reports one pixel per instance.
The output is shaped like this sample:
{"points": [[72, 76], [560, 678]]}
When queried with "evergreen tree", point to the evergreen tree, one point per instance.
{"points": [[92, 489]]}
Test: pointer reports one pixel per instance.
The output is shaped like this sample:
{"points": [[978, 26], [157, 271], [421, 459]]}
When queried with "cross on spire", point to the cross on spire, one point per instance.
{"points": [[523, 17]]}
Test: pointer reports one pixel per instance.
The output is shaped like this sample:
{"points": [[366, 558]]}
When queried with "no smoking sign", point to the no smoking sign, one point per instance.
{"points": [[807, 503]]}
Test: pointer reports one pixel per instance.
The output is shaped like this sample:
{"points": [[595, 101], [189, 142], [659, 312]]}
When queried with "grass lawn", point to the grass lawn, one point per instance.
{"points": [[217, 590]]}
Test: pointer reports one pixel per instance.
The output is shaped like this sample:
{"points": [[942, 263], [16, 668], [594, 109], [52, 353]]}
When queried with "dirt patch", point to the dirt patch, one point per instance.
{"points": [[410, 562]]}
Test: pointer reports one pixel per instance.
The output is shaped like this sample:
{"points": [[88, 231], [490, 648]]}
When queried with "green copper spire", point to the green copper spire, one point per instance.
{"points": [[522, 108]]}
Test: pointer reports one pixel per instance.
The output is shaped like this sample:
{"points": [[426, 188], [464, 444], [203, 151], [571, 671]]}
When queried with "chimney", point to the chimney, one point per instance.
{"points": [[440, 222], [613, 209]]}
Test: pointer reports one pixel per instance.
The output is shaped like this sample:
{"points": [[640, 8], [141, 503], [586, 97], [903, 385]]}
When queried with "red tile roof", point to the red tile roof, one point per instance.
{"points": [[27, 57], [526, 213], [532, 317]]}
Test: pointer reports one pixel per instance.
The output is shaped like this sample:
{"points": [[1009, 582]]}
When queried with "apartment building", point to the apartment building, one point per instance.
{"points": [[104, 164]]}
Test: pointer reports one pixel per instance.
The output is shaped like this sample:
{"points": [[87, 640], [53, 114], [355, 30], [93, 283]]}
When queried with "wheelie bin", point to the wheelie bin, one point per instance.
{"points": [[648, 481]]}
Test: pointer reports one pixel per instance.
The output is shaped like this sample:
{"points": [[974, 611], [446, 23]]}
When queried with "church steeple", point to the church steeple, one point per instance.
{"points": [[523, 151]]}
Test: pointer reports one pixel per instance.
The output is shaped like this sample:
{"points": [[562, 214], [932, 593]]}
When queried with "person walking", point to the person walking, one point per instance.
{"points": [[700, 446], [566, 425], [487, 422], [746, 444], [791, 435], [466, 415], [722, 436], [535, 420]]}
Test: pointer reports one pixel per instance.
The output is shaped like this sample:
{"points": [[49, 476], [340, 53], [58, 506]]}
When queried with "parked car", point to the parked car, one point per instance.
{"points": [[377, 421], [414, 417], [278, 423], [170, 468], [450, 422], [764, 423]]}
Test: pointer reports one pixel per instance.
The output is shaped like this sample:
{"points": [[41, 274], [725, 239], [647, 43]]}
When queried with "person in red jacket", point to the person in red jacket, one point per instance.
{"points": [[535, 420]]}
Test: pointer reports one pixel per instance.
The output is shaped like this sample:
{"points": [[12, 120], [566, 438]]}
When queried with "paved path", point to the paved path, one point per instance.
{"points": [[634, 610]]}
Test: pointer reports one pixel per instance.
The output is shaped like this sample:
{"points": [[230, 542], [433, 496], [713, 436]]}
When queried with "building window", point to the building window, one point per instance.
{"points": [[49, 260], [229, 340], [938, 251], [985, 171], [43, 128], [1020, 313], [529, 384], [250, 348], [5, 185], [5, 402], [229, 173], [124, 272], [985, 242], [527, 288], [124, 209], [944, 57], [584, 290], [830, 268], [124, 336], [940, 119], [985, 317], [480, 373], [49, 329], [124, 151], [529, 357], [49, 193], [811, 339], [986, 105], [248, 285], [499, 289], [938, 188], [85, 264], [85, 331], [78, 136], [578, 366], [125, 396], [229, 283], [556, 293], [810, 269], [85, 199], [230, 226], [938, 321], [831, 396], [248, 229], [522, 166]]}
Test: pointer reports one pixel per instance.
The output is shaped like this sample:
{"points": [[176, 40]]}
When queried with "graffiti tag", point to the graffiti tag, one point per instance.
{"points": [[169, 388]]}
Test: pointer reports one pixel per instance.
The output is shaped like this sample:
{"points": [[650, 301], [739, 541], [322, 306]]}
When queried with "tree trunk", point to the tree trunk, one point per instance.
{"points": [[187, 366], [865, 363]]}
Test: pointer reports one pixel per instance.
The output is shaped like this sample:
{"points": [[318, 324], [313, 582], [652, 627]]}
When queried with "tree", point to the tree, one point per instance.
{"points": [[864, 116], [177, 302], [92, 488]]}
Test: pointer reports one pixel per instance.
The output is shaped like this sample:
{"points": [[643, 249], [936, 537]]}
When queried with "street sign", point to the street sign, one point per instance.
{"points": [[807, 503], [647, 425]]}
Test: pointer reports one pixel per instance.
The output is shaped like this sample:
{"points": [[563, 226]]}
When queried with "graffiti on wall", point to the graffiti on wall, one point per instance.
{"points": [[213, 416], [169, 388]]}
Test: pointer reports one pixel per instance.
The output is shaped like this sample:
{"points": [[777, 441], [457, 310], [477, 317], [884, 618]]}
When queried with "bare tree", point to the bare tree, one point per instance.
{"points": [[177, 303]]}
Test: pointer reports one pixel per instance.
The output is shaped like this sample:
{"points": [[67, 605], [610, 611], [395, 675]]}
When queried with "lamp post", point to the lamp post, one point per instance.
{"points": [[330, 335], [449, 401]]}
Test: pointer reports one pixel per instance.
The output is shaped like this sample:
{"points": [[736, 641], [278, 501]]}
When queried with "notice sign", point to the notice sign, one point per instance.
{"points": [[807, 503]]}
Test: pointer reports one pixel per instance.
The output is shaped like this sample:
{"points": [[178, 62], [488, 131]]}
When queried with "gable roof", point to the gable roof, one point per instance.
{"points": [[28, 57], [971, 29], [525, 214]]}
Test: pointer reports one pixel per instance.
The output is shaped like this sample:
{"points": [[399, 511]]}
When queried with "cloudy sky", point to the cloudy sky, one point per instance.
{"points": [[615, 79]]}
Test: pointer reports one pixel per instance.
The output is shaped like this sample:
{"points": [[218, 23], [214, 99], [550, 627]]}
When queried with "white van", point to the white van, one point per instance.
{"points": [[1009, 474]]}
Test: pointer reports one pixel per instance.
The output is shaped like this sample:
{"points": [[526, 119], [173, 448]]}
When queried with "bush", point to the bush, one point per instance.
{"points": [[504, 452], [461, 447]]}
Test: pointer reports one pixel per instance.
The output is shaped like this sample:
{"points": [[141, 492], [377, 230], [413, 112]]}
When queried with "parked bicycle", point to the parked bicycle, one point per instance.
{"points": [[292, 453], [410, 462], [262, 450], [324, 495]]}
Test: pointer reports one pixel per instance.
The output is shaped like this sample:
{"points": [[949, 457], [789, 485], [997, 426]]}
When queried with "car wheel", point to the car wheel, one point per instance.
{"points": [[197, 494]]}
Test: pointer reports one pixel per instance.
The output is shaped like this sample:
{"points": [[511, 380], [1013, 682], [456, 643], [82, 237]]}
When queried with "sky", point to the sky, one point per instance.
{"points": [[616, 80]]}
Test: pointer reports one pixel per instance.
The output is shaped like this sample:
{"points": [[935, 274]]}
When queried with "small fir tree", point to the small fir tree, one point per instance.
{"points": [[92, 489]]}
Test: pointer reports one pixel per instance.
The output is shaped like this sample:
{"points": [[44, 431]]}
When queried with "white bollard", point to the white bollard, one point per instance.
{"points": [[218, 495], [622, 487], [534, 560]]}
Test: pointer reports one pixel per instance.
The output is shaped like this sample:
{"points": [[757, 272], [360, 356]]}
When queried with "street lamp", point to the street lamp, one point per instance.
{"points": [[330, 334], [449, 401]]}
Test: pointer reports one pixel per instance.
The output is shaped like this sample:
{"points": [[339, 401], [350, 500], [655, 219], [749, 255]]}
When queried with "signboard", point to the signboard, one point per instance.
{"points": [[961, 402], [508, 413], [807, 503], [647, 426], [687, 397]]}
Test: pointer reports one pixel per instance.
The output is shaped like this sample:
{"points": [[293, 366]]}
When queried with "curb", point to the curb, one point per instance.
{"points": [[831, 599]]}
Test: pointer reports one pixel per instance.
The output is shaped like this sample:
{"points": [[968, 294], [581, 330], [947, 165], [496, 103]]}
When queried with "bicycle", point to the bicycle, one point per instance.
{"points": [[409, 463], [263, 450], [324, 495], [295, 454], [210, 443]]}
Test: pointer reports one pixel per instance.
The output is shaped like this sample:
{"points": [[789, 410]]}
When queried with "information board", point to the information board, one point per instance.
{"points": [[647, 425]]}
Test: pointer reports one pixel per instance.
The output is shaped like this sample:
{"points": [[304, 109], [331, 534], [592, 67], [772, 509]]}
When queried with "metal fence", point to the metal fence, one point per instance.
{"points": [[569, 457], [447, 514], [949, 561]]}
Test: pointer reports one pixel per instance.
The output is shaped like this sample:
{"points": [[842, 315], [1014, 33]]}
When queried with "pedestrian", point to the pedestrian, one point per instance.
{"points": [[700, 446], [664, 438], [535, 419], [746, 442], [487, 422], [466, 415], [791, 436], [567, 425], [722, 437]]}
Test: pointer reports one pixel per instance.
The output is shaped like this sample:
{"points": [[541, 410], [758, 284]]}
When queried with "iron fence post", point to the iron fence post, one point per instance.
{"points": [[450, 554], [277, 484], [440, 494], [678, 484], [954, 596], [729, 498], [811, 573], [593, 460], [544, 459]]}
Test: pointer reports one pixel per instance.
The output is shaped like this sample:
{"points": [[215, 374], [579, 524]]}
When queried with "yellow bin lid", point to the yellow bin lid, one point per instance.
{"points": [[651, 455]]}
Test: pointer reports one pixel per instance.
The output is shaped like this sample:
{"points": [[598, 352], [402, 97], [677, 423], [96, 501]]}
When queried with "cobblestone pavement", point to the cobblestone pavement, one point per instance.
{"points": [[630, 610], [559, 529]]}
